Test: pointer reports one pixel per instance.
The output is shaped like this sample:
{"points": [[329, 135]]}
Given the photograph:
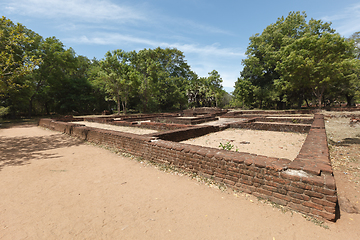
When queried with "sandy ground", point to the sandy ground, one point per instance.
{"points": [[56, 187], [140, 131], [267, 143]]}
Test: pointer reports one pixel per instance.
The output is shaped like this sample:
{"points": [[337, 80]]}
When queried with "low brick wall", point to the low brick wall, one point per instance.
{"points": [[305, 184], [272, 126], [185, 134], [190, 121]]}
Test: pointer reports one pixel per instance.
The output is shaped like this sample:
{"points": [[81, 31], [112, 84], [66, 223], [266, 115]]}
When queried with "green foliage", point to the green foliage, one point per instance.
{"points": [[41, 76], [3, 111], [227, 146], [206, 91], [294, 61]]}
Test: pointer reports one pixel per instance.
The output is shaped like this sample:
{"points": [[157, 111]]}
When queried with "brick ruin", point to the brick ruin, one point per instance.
{"points": [[305, 184]]}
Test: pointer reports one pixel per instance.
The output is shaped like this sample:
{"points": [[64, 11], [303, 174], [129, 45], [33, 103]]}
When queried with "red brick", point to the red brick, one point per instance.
{"points": [[263, 191], [281, 181], [316, 180], [301, 185], [232, 178], [330, 182], [324, 191], [229, 182], [299, 196], [297, 201], [260, 181], [313, 205], [325, 215], [299, 207], [313, 194], [247, 182], [290, 177], [293, 189], [259, 195], [331, 210], [245, 188], [332, 198], [249, 161], [219, 175], [278, 201], [323, 202]]}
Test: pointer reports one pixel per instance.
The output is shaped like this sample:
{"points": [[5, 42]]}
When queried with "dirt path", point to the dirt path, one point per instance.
{"points": [[53, 186]]}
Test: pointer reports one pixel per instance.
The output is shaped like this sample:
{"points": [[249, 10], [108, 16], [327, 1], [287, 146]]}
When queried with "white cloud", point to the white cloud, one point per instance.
{"points": [[116, 39], [347, 21], [82, 10]]}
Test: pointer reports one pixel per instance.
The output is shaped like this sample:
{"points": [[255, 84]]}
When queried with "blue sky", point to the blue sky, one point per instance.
{"points": [[212, 34]]}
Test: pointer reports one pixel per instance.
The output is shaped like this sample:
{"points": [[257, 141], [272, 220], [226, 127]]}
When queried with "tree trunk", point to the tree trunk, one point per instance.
{"points": [[124, 107], [118, 103], [30, 105], [349, 100]]}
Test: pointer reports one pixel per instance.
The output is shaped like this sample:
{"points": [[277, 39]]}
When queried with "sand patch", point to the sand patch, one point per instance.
{"points": [[267, 143], [140, 131]]}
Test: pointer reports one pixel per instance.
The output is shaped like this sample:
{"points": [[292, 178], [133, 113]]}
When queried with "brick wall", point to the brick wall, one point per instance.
{"points": [[305, 184], [179, 135]]}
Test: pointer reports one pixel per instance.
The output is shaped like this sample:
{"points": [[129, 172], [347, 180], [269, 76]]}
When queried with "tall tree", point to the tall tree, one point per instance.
{"points": [[119, 76], [291, 58], [17, 44], [317, 62]]}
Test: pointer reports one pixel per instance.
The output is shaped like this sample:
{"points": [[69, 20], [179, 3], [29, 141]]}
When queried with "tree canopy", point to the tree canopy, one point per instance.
{"points": [[295, 60], [42, 76]]}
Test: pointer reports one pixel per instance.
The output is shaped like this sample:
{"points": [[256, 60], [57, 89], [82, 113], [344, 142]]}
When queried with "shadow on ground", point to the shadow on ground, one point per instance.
{"points": [[345, 142], [17, 151]]}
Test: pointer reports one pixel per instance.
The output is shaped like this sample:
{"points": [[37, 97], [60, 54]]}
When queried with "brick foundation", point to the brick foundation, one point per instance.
{"points": [[305, 184]]}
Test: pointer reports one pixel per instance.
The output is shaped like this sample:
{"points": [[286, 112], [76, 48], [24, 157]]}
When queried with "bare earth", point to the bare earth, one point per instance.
{"points": [[267, 143], [53, 186], [135, 130]]}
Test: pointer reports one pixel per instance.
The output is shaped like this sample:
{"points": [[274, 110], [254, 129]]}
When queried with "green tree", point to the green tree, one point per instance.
{"points": [[120, 78], [17, 44], [165, 77], [317, 62], [272, 63]]}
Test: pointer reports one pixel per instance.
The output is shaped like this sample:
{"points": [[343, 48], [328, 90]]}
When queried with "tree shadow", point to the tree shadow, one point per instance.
{"points": [[17, 151], [345, 142]]}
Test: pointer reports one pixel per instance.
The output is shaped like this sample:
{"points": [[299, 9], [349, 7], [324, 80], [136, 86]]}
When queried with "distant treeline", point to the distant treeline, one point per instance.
{"points": [[41, 76]]}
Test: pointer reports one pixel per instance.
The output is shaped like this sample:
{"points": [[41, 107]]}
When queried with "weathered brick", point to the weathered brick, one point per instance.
{"points": [[295, 200], [278, 201], [325, 191], [331, 210], [332, 198], [258, 180], [313, 205], [317, 181], [263, 191], [313, 194], [299, 196], [294, 189], [290, 177], [301, 185], [326, 215], [229, 182], [219, 175], [330, 182], [323, 202], [299, 207], [245, 188], [281, 181], [247, 182]]}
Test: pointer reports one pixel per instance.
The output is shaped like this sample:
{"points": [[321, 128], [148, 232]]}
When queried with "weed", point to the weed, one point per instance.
{"points": [[227, 146], [295, 120]]}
